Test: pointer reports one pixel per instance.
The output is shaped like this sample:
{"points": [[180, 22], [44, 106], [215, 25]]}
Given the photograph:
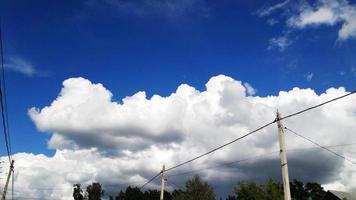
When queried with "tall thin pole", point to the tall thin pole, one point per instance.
{"points": [[7, 180], [283, 156], [162, 183]]}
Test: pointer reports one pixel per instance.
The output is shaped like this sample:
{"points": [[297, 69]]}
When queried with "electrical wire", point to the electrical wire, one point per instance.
{"points": [[174, 185], [223, 164], [5, 97], [220, 147], [3, 100], [318, 105], [152, 179], [323, 147], [169, 169], [252, 158], [4, 111], [250, 133], [260, 128]]}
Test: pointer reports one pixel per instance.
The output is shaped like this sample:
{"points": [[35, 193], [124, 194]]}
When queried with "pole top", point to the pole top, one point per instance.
{"points": [[278, 115]]}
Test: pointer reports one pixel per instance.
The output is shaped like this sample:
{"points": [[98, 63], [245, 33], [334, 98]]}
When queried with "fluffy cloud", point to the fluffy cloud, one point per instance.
{"points": [[328, 12], [301, 15], [120, 143], [322, 15], [41, 177]]}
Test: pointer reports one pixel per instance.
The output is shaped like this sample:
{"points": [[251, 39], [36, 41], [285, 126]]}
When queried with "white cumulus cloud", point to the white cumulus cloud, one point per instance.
{"points": [[126, 142]]}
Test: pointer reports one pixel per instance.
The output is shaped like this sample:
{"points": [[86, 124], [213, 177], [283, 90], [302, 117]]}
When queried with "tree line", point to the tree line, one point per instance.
{"points": [[198, 189]]}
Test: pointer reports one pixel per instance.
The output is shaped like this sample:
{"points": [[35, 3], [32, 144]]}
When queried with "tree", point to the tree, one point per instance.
{"points": [[273, 190], [310, 190], [176, 193], [298, 191], [133, 193], [77, 192], [246, 190], [151, 195], [231, 197], [251, 191], [316, 192], [121, 196], [196, 189], [95, 191]]}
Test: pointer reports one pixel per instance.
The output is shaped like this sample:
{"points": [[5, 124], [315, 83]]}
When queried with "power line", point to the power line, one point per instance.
{"points": [[3, 101], [318, 105], [252, 158], [340, 145], [211, 151], [220, 147], [250, 133], [223, 164], [174, 185], [260, 128], [323, 147], [149, 181], [5, 98], [4, 116], [121, 184]]}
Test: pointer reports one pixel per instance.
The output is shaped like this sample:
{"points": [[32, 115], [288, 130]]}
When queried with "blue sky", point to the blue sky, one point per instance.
{"points": [[137, 46], [155, 52]]}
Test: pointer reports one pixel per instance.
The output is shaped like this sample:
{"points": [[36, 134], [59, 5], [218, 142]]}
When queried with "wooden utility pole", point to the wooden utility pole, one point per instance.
{"points": [[283, 156], [162, 182], [11, 170]]}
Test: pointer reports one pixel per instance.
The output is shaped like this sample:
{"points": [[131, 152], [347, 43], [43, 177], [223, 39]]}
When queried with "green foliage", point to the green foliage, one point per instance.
{"points": [[298, 191], [77, 192], [231, 197], [134, 193], [196, 189], [95, 191], [246, 190], [315, 190], [120, 196], [274, 191]]}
